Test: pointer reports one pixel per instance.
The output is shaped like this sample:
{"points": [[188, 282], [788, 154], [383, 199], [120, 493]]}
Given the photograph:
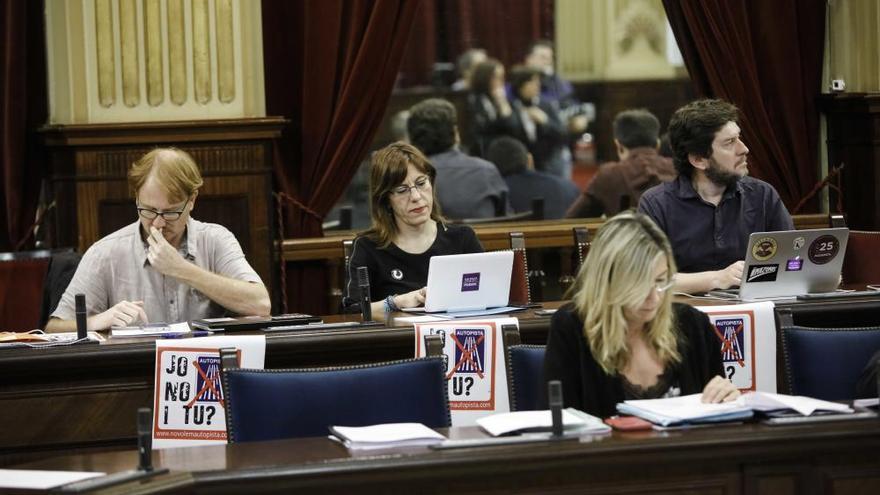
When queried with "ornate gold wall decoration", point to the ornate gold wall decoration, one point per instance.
{"points": [[167, 59]]}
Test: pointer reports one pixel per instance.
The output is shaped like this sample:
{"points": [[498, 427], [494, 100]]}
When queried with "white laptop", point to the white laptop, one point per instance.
{"points": [[791, 263], [468, 282]]}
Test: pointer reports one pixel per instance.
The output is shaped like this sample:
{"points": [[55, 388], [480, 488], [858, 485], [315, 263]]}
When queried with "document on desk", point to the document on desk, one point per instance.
{"points": [[539, 421], [386, 435], [688, 409], [32, 479], [763, 401], [152, 330]]}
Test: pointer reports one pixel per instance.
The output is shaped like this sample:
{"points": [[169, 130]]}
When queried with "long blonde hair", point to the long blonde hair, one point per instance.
{"points": [[617, 274]]}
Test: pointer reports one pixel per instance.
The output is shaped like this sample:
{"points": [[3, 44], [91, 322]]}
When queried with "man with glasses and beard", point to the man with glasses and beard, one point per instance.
{"points": [[167, 267], [711, 208]]}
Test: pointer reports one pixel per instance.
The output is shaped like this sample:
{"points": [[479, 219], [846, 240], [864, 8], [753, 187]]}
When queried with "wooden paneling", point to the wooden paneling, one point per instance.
{"points": [[853, 127], [89, 163]]}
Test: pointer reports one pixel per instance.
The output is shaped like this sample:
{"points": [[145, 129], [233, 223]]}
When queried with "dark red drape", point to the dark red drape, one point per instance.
{"points": [[765, 57], [330, 66], [22, 111], [446, 28]]}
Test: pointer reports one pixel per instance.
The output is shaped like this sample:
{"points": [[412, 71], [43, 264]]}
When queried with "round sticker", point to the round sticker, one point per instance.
{"points": [[823, 249], [396, 274], [764, 248]]}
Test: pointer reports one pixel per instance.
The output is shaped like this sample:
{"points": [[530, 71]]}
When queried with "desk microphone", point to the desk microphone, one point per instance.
{"points": [[554, 398], [81, 323], [145, 439], [364, 286]]}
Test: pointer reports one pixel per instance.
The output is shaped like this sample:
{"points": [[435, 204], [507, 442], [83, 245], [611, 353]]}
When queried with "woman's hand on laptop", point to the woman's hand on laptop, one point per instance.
{"points": [[412, 299]]}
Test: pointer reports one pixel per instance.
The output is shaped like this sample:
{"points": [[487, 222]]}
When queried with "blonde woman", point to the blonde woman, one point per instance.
{"points": [[407, 230], [621, 337]]}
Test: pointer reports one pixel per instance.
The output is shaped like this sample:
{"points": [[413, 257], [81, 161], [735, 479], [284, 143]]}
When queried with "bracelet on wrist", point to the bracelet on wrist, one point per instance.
{"points": [[390, 305]]}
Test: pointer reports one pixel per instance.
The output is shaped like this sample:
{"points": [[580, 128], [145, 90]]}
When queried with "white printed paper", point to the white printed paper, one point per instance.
{"points": [[188, 404], [475, 365]]}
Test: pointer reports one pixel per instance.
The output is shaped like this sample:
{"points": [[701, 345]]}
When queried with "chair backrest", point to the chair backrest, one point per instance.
{"points": [[287, 403], [21, 288], [860, 262], [826, 363], [62, 267], [525, 371], [520, 292]]}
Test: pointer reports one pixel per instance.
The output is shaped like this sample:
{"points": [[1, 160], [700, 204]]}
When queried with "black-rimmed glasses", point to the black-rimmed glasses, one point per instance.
{"points": [[168, 216]]}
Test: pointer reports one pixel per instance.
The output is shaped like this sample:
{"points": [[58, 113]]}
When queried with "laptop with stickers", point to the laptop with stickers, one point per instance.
{"points": [[790, 263], [467, 282]]}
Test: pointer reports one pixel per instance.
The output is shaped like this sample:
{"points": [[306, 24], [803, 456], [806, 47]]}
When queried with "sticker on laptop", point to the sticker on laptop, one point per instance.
{"points": [[823, 249], [470, 282], [798, 243], [762, 273], [794, 265], [764, 248]]}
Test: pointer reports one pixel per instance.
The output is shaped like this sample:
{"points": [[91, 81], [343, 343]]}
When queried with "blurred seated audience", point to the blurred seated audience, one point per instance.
{"points": [[488, 107], [516, 166], [407, 230], [619, 185], [465, 66], [540, 127], [467, 187]]}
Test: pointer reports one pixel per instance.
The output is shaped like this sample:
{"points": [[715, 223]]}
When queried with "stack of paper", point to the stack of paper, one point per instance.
{"points": [[688, 409], [573, 421], [765, 401], [385, 436], [150, 330]]}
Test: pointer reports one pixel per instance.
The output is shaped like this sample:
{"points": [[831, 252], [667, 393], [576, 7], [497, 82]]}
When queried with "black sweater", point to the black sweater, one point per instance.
{"points": [[587, 387], [394, 271]]}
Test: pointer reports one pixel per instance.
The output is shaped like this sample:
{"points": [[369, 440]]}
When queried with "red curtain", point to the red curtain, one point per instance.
{"points": [[330, 66], [446, 28], [766, 58], [22, 112]]}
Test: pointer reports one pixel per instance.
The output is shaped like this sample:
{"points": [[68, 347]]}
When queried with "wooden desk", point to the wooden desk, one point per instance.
{"points": [[60, 399], [748, 459], [85, 397]]}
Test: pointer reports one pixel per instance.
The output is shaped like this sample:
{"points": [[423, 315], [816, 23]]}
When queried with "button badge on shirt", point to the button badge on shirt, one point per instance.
{"points": [[396, 274]]}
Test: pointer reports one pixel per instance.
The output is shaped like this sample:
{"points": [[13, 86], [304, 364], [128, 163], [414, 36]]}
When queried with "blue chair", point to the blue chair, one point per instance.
{"points": [[287, 403], [825, 363], [525, 372]]}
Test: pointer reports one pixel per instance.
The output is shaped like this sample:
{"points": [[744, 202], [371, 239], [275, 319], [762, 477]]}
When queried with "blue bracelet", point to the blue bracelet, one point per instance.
{"points": [[389, 304]]}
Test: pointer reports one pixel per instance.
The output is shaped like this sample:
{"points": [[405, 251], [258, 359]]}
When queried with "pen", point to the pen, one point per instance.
{"points": [[194, 333]]}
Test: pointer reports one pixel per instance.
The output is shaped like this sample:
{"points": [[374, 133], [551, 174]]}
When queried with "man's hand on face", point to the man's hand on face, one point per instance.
{"points": [[162, 255]]}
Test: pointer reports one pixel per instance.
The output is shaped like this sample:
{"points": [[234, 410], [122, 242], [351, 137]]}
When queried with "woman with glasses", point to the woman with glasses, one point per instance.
{"points": [[622, 337], [407, 230]]}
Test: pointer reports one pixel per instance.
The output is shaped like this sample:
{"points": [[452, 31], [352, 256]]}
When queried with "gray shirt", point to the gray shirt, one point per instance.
{"points": [[116, 269], [708, 237], [467, 187]]}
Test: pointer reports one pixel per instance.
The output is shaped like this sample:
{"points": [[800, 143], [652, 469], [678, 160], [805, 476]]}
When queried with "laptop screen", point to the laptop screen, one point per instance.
{"points": [[475, 281], [794, 262]]}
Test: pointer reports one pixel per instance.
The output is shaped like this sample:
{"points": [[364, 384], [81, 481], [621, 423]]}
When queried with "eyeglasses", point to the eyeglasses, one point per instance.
{"points": [[664, 286], [168, 216], [421, 184]]}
